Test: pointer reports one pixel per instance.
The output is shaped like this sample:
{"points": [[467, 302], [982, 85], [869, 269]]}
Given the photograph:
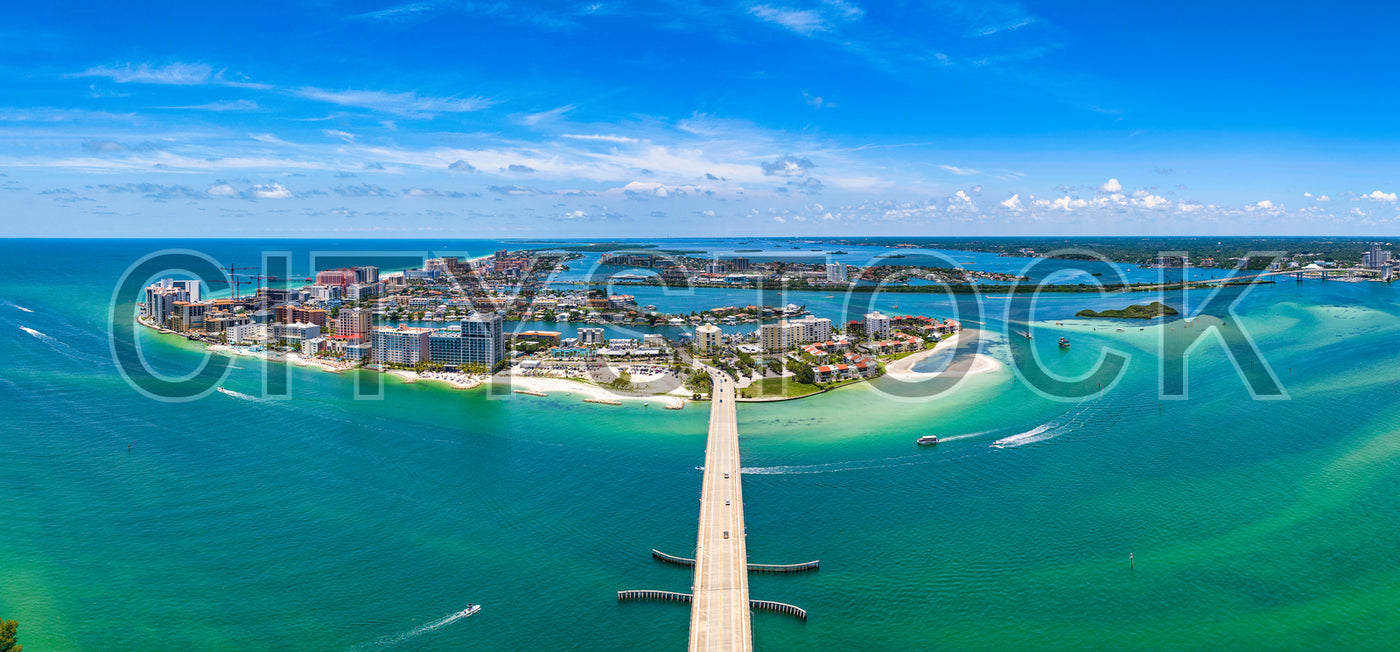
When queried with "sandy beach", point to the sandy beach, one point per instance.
{"points": [[903, 369], [567, 387]]}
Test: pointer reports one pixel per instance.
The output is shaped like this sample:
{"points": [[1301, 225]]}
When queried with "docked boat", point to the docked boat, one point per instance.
{"points": [[928, 440], [1064, 343]]}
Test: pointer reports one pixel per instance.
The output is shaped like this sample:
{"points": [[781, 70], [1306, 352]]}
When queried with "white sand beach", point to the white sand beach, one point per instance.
{"points": [[903, 368]]}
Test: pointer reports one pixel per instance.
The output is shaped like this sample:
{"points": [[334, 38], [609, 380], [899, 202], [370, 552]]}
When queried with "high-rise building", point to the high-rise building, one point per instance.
{"points": [[836, 272], [479, 340], [366, 274], [877, 326], [590, 337], [1375, 257], [341, 277], [402, 345], [354, 322], [707, 339]]}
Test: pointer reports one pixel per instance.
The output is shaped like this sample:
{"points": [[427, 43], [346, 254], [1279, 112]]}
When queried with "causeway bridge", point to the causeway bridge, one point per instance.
{"points": [[720, 608], [719, 612]]}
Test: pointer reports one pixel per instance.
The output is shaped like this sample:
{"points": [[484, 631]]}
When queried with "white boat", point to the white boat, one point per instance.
{"points": [[471, 609], [928, 440]]}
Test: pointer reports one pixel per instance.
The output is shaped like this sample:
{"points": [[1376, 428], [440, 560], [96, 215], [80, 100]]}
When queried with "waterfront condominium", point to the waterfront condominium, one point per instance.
{"points": [[402, 345], [707, 339], [479, 340]]}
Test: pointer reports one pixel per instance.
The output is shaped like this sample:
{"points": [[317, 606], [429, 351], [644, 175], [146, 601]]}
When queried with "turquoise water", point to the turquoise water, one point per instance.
{"points": [[323, 522]]}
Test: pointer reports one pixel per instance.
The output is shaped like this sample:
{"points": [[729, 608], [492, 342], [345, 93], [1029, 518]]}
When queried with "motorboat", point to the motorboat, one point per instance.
{"points": [[1064, 343], [928, 440]]}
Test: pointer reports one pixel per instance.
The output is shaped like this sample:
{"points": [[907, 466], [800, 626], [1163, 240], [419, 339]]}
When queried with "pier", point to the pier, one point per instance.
{"points": [[753, 568], [672, 596]]}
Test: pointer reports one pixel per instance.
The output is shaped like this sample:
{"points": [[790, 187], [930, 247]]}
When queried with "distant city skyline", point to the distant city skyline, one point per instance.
{"points": [[669, 119]]}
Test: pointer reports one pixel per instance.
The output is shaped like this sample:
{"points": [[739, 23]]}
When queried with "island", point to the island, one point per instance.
{"points": [[1135, 311]]}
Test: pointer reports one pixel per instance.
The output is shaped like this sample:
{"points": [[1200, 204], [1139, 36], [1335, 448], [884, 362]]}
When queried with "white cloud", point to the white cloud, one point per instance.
{"points": [[175, 74], [1377, 195], [607, 138], [817, 101], [271, 191], [779, 219], [342, 135], [1014, 203], [179, 74], [1265, 204], [222, 190], [546, 116], [802, 21], [403, 104], [1111, 186], [1148, 200], [962, 172]]}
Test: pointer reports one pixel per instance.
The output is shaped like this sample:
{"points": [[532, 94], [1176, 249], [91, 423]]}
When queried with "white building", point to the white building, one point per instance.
{"points": [[836, 272], [877, 326], [297, 332], [707, 339], [590, 337], [402, 345], [811, 329], [788, 333], [246, 333]]}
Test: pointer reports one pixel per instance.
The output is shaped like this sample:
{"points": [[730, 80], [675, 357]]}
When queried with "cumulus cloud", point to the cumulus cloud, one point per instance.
{"points": [[460, 165], [222, 190], [787, 166], [1111, 186], [272, 190], [1377, 195], [1264, 204], [1014, 203]]}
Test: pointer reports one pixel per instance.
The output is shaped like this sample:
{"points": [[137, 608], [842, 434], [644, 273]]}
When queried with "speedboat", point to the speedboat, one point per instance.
{"points": [[928, 440], [1064, 343], [471, 609]]}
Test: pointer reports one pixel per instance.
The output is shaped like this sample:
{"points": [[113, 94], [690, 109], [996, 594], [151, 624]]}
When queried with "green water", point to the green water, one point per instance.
{"points": [[323, 522]]}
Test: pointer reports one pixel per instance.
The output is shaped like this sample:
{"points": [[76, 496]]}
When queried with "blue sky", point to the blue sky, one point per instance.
{"points": [[620, 119]]}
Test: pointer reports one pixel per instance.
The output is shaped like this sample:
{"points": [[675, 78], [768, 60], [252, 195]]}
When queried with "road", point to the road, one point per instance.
{"points": [[719, 612]]}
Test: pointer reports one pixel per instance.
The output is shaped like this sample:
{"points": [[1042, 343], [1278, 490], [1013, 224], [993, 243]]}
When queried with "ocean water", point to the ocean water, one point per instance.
{"points": [[323, 522]]}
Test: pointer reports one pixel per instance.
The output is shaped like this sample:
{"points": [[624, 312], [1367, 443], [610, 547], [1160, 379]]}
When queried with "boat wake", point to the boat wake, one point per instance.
{"points": [[394, 639], [1063, 424], [969, 435], [238, 395], [63, 349], [854, 465], [20, 307]]}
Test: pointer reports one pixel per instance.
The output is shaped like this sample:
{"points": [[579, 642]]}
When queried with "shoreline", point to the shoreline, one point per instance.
{"points": [[903, 368]]}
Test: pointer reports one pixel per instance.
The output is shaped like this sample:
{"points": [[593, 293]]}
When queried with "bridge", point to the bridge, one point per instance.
{"points": [[719, 613], [720, 608]]}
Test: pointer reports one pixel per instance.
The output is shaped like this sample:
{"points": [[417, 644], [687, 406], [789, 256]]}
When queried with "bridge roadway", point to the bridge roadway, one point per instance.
{"points": [[719, 612]]}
